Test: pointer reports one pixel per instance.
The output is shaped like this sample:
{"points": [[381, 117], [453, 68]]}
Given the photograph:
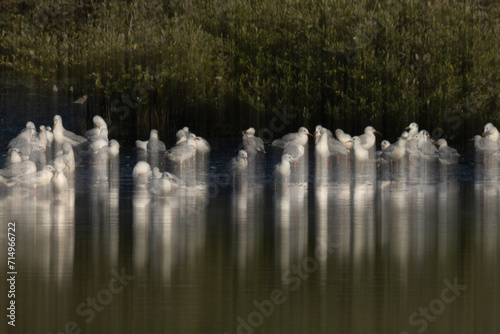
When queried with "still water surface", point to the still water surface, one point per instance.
{"points": [[340, 249]]}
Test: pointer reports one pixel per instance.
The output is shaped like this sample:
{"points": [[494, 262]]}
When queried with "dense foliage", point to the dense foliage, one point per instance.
{"points": [[333, 61]]}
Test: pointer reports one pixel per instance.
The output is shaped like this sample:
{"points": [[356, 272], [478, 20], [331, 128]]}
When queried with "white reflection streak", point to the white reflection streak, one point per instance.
{"points": [[161, 249], [62, 243], [322, 229], [141, 220], [241, 226]]}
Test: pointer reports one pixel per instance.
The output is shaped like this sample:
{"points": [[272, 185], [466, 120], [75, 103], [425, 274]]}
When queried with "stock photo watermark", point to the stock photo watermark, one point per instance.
{"points": [[11, 273], [87, 309], [420, 319], [292, 279]]}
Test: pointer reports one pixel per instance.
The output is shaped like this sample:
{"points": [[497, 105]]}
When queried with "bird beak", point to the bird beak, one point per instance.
{"points": [[377, 132], [309, 134], [483, 133], [196, 138], [435, 144], [412, 139], [348, 141], [407, 128], [314, 132], [244, 131], [472, 139]]}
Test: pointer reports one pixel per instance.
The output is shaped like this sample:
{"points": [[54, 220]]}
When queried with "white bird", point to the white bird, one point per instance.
{"points": [[384, 144], [368, 138], [412, 149], [239, 163], [412, 130], [42, 137], [99, 142], [321, 147], [141, 145], [202, 146], [447, 155], [300, 137], [183, 151], [491, 132], [282, 170], [24, 137], [13, 157], [141, 173], [61, 135], [396, 151], [95, 132], [425, 147], [50, 135], [295, 149], [38, 155], [18, 169], [485, 145], [155, 145], [33, 180], [251, 143], [108, 152], [59, 182], [161, 186], [65, 158], [318, 131], [360, 152], [344, 138], [182, 135]]}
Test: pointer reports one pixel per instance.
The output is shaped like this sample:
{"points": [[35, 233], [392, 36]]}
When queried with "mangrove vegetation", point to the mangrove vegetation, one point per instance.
{"points": [[224, 65]]}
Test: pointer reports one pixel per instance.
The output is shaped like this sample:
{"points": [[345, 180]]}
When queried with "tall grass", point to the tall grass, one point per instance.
{"points": [[338, 62]]}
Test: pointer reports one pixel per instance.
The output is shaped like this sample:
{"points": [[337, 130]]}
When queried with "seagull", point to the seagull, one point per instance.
{"points": [[141, 145], [13, 157], [35, 179], [59, 182], [182, 151], [162, 186], [447, 155], [24, 137], [317, 133], [18, 169], [300, 137], [485, 146], [412, 130], [65, 158], [425, 147], [95, 132], [155, 145], [202, 146], [491, 132], [108, 152], [282, 170], [61, 135], [344, 138], [396, 151], [81, 100], [50, 135], [239, 163], [251, 143], [141, 173], [368, 138], [360, 152], [182, 135]]}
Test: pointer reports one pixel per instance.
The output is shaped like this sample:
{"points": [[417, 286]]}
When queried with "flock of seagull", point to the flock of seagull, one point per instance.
{"points": [[47, 157]]}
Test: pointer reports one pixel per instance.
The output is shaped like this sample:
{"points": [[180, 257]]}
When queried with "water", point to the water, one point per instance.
{"points": [[340, 249]]}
